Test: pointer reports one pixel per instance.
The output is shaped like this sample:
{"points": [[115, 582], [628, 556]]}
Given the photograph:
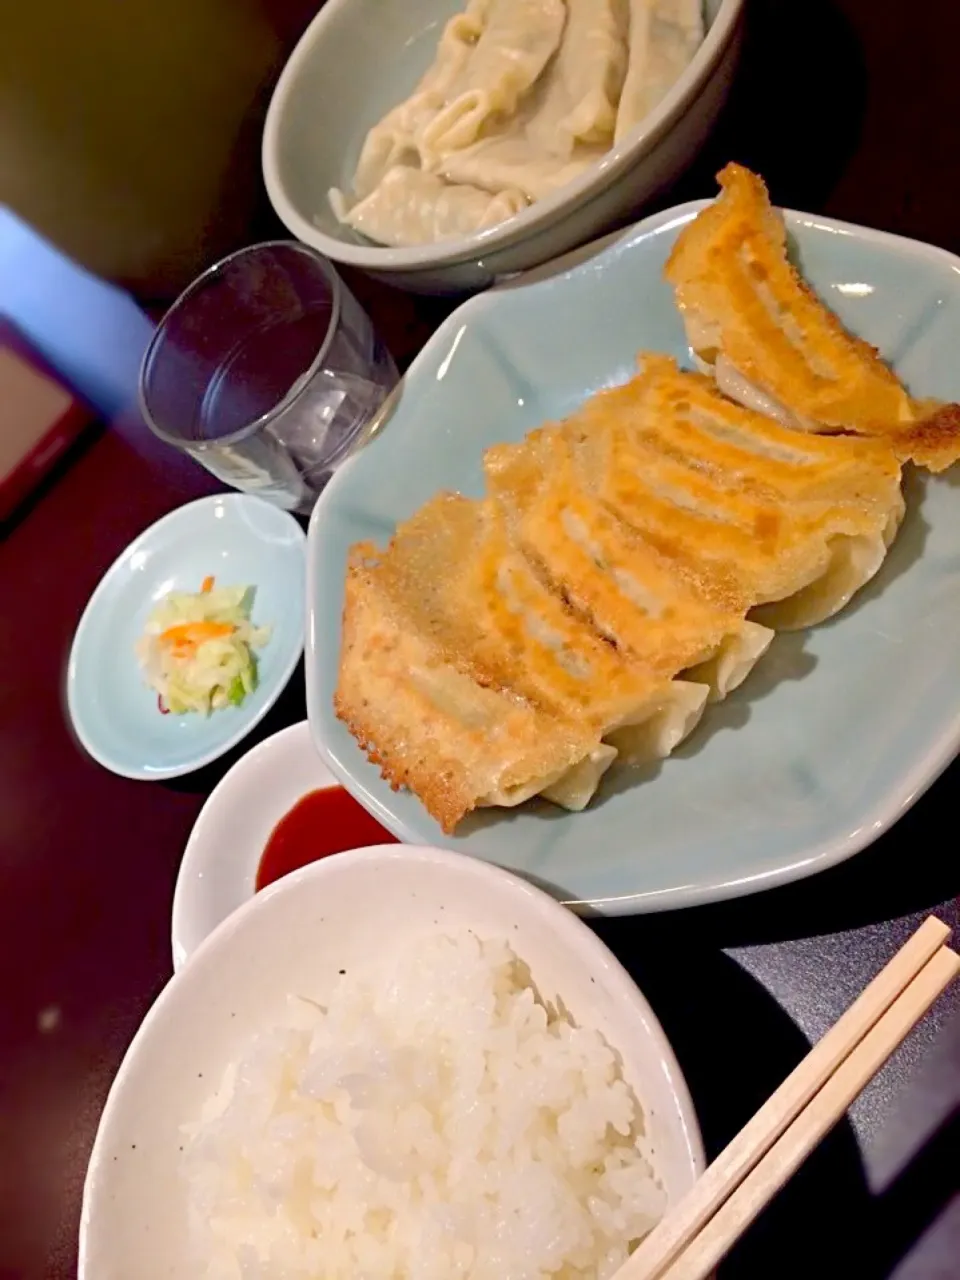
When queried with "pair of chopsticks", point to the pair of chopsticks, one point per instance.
{"points": [[693, 1238]]}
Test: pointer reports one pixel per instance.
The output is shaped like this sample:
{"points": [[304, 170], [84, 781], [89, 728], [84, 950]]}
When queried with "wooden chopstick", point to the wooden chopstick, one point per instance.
{"points": [[674, 1234], [815, 1121]]}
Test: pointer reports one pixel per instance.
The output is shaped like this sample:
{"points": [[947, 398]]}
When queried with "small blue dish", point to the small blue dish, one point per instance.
{"points": [[239, 540]]}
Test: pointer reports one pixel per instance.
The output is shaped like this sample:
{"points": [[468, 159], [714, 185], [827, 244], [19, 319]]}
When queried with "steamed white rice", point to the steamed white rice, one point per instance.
{"points": [[434, 1121]]}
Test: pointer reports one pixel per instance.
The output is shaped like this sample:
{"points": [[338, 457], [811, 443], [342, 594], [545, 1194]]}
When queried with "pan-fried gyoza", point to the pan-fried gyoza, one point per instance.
{"points": [[773, 345], [431, 726], [632, 563], [620, 583], [766, 520], [452, 582]]}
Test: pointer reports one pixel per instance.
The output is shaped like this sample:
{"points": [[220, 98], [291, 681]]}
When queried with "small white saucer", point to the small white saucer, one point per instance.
{"points": [[219, 866]]}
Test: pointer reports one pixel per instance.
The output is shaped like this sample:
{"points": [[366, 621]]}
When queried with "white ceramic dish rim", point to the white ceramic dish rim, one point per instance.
{"points": [[816, 857], [594, 180], [73, 675], [566, 924], [197, 859]]}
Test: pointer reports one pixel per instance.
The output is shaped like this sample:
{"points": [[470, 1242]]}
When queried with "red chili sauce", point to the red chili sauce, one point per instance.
{"points": [[321, 823]]}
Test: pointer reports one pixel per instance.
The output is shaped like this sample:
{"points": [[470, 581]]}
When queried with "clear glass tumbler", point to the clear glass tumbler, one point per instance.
{"points": [[267, 371]]}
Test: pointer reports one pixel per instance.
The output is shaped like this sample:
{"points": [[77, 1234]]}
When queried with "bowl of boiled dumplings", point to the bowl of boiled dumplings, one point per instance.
{"points": [[441, 144]]}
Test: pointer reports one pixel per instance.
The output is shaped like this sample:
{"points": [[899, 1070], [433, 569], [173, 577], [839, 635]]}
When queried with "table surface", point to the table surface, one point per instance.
{"points": [[849, 109]]}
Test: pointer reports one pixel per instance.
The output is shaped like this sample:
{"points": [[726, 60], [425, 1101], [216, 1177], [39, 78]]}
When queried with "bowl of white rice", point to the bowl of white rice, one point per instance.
{"points": [[396, 1063]]}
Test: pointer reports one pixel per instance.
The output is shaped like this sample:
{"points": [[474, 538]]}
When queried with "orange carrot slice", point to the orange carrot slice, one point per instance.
{"points": [[195, 633], [207, 584]]}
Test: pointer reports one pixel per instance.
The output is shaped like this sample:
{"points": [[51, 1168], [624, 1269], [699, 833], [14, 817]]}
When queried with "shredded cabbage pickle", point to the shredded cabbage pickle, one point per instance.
{"points": [[197, 649]]}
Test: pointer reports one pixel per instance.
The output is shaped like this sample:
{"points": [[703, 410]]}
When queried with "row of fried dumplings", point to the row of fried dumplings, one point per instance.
{"points": [[631, 564]]}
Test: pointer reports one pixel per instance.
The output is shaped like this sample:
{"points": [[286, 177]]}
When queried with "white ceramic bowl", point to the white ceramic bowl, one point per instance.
{"points": [[219, 868], [294, 936], [358, 58]]}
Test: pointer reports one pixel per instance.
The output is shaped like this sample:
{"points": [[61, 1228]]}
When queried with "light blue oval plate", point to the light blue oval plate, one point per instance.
{"points": [[837, 731], [238, 539]]}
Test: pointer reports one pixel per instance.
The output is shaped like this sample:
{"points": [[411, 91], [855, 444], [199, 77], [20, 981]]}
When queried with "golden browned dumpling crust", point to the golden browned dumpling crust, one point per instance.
{"points": [[773, 344]]}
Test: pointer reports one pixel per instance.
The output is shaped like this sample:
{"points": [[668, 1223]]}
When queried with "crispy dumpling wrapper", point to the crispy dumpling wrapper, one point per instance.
{"points": [[432, 728], [455, 575], [775, 347], [752, 513], [451, 574], [627, 589]]}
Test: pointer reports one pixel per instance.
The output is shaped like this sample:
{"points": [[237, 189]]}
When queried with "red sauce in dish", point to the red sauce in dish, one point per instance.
{"points": [[321, 823]]}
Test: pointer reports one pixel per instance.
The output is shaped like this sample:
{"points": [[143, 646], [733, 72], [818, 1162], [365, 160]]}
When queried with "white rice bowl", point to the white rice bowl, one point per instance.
{"points": [[419, 1115], [433, 1122]]}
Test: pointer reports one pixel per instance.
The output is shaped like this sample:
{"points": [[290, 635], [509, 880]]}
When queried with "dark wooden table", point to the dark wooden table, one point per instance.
{"points": [[851, 109]]}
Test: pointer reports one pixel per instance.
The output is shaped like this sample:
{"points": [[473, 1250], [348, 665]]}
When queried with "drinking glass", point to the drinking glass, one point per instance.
{"points": [[268, 372]]}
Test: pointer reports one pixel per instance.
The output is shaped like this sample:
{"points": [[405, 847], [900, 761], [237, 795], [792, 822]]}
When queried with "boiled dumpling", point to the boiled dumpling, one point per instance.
{"points": [[395, 138], [518, 39], [523, 96], [664, 36], [577, 99], [411, 207], [510, 160]]}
